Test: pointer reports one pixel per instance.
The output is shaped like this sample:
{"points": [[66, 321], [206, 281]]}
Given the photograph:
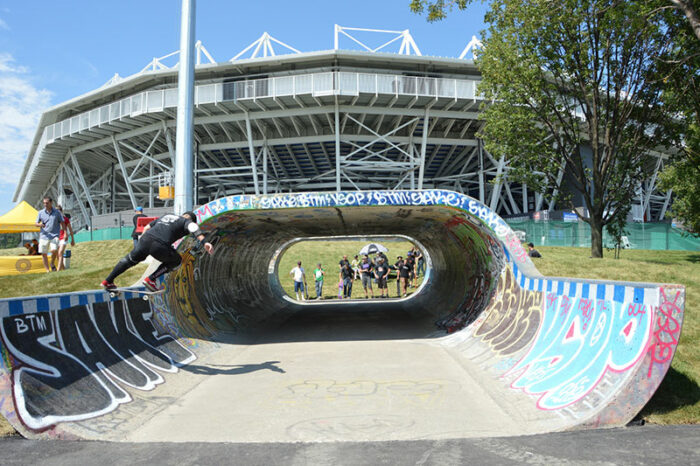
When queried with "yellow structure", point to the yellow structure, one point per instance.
{"points": [[20, 219], [166, 192], [20, 265]]}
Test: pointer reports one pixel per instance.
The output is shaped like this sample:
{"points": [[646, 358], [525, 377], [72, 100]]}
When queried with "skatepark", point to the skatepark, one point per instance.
{"points": [[486, 347]]}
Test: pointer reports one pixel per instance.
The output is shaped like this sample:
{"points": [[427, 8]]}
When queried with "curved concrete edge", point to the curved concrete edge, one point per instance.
{"points": [[555, 353], [567, 354]]}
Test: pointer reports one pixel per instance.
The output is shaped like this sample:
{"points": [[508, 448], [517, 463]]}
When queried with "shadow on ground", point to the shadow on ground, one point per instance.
{"points": [[676, 391]]}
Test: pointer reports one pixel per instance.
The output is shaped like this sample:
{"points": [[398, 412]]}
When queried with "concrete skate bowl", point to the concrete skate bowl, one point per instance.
{"points": [[542, 353]]}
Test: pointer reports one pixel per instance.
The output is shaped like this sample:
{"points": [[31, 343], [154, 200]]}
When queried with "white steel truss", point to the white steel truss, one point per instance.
{"points": [[408, 45], [263, 47]]}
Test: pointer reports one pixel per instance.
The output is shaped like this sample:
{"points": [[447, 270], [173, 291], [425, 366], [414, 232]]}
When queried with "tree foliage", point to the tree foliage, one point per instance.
{"points": [[568, 75], [438, 9], [680, 72]]}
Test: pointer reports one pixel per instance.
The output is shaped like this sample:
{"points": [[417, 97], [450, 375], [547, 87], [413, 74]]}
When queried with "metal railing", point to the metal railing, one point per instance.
{"points": [[317, 84]]}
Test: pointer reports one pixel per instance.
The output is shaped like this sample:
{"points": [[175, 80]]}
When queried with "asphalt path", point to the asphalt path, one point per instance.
{"points": [[637, 445]]}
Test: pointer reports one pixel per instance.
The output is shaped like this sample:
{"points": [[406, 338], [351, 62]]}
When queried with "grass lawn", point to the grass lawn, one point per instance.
{"points": [[90, 264], [329, 254]]}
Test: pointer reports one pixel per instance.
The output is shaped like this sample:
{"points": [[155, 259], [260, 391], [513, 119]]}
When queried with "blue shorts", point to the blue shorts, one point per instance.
{"points": [[298, 286]]}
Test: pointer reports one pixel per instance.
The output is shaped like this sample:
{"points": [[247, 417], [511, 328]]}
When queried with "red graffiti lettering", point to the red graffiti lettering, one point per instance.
{"points": [[665, 337]]}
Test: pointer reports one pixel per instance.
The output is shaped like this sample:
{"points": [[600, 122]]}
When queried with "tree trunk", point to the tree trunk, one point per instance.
{"points": [[596, 238]]}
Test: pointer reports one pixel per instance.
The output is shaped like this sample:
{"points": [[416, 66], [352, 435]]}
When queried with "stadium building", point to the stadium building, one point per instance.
{"points": [[276, 120]]}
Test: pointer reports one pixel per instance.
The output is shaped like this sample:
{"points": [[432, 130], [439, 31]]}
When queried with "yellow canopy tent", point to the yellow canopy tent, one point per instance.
{"points": [[20, 219]]}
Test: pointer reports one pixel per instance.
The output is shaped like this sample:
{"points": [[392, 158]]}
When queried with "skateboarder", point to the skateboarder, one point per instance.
{"points": [[157, 239]]}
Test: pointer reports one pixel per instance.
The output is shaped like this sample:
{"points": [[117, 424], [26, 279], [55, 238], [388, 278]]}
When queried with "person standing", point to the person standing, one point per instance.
{"points": [[381, 272], [63, 239], [134, 234], [397, 266], [366, 270], [157, 239], [319, 273], [347, 275], [50, 222], [299, 279], [420, 266], [355, 264], [404, 274], [411, 262]]}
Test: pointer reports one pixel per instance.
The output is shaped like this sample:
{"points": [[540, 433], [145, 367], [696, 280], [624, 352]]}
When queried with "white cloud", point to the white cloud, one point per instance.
{"points": [[21, 105], [3, 25]]}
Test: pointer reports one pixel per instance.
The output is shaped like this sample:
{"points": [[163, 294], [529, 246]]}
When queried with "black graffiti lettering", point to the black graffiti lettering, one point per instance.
{"points": [[114, 328], [50, 384], [73, 364], [81, 339], [140, 308]]}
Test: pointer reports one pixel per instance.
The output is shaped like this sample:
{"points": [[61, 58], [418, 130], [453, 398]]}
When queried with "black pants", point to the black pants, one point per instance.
{"points": [[169, 258]]}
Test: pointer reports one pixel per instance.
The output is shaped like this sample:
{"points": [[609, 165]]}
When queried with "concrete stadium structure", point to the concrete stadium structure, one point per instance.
{"points": [[486, 347], [315, 121]]}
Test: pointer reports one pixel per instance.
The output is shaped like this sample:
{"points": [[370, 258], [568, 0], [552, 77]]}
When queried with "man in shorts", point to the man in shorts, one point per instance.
{"points": [[411, 262], [50, 222], [366, 271], [404, 270], [63, 239], [299, 279], [381, 272]]}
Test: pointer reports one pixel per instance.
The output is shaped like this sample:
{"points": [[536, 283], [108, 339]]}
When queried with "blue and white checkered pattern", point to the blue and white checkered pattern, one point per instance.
{"points": [[31, 304], [589, 289]]}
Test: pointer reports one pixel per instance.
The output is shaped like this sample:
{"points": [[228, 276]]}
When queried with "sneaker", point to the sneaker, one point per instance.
{"points": [[150, 284], [108, 285], [53, 268]]}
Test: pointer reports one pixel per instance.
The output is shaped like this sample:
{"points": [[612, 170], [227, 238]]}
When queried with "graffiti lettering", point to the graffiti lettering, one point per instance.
{"points": [[371, 198], [665, 336], [570, 356], [70, 365]]}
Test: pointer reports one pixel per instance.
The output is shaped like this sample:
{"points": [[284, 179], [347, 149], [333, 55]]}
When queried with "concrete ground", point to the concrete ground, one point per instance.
{"points": [[627, 446], [324, 378]]}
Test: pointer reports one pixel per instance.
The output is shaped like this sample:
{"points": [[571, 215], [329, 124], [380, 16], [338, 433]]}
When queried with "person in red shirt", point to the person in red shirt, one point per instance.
{"points": [[63, 239]]}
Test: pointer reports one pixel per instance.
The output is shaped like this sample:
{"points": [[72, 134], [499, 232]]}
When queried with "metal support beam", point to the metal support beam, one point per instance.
{"points": [[251, 149], [662, 214], [125, 175], [74, 187], [337, 147], [482, 188], [83, 184], [265, 169], [185, 113], [424, 144]]}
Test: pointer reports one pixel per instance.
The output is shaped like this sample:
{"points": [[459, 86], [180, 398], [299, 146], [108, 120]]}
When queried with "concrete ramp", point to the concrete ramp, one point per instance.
{"points": [[487, 346]]}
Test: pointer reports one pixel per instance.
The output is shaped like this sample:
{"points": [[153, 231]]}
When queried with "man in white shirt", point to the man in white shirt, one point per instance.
{"points": [[299, 280]]}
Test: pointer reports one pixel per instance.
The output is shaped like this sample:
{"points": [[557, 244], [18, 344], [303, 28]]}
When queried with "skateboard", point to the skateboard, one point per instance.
{"points": [[145, 294]]}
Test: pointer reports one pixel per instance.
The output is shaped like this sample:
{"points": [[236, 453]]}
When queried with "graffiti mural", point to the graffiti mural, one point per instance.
{"points": [[467, 204], [580, 340], [74, 364], [512, 317]]}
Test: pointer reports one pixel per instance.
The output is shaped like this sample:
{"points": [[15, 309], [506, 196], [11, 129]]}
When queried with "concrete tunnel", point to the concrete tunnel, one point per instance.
{"points": [[487, 345]]}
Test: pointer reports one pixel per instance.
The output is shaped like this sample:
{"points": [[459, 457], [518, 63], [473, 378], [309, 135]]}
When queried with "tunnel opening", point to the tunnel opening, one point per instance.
{"points": [[236, 291], [329, 251]]}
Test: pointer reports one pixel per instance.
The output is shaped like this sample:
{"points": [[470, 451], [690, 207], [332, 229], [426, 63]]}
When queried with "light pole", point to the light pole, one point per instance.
{"points": [[184, 167]]}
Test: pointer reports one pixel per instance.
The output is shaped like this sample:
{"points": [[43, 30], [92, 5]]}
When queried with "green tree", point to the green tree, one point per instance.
{"points": [[679, 70], [573, 88]]}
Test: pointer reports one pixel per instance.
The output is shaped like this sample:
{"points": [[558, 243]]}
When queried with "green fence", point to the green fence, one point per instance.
{"points": [[552, 233], [578, 234], [103, 234]]}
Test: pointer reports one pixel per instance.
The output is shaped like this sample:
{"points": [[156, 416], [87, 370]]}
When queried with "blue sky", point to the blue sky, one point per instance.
{"points": [[52, 51]]}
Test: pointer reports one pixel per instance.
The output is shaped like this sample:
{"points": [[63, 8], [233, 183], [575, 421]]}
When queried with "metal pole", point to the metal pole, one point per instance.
{"points": [[337, 147], [185, 109]]}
